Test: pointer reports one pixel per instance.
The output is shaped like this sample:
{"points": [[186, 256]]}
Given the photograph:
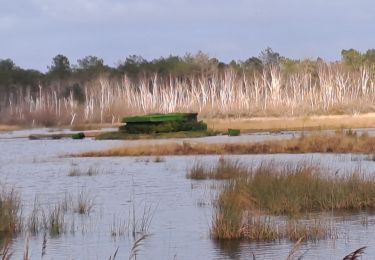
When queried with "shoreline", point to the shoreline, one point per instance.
{"points": [[275, 124]]}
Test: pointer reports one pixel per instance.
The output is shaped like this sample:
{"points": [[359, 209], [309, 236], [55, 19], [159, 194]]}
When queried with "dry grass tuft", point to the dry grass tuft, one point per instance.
{"points": [[55, 221], [10, 212], [223, 170], [84, 203], [76, 172]]}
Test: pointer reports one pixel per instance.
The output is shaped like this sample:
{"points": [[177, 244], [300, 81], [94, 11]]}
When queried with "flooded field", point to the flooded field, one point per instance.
{"points": [[150, 199]]}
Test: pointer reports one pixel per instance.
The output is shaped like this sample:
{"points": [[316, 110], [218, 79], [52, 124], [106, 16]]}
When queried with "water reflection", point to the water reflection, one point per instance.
{"points": [[230, 249]]}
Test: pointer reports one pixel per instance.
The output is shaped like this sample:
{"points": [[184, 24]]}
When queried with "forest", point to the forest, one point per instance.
{"points": [[270, 84]]}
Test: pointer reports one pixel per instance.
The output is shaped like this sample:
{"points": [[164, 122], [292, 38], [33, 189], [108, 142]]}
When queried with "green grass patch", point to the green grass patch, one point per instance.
{"points": [[234, 132], [79, 135]]}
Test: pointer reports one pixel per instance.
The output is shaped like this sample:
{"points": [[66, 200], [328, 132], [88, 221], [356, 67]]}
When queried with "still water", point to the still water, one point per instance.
{"points": [[181, 209]]}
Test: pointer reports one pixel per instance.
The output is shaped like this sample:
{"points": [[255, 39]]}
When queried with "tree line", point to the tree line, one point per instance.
{"points": [[70, 77]]}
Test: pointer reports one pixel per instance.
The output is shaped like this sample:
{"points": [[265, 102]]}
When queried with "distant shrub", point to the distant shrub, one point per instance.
{"points": [[79, 135], [234, 132]]}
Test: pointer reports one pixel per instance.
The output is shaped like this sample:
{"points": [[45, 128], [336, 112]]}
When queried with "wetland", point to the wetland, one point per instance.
{"points": [[152, 207]]}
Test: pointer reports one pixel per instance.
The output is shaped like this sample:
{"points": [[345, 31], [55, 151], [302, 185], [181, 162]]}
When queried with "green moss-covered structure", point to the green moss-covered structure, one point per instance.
{"points": [[162, 123]]}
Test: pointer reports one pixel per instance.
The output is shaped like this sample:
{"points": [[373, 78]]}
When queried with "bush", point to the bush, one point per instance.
{"points": [[234, 132], [79, 135], [164, 127]]}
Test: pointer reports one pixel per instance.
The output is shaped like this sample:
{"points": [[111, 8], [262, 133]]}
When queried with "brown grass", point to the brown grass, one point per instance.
{"points": [[247, 202], [338, 142], [298, 189], [6, 128], [76, 172], [84, 204], [55, 221], [223, 170], [292, 123], [10, 212], [265, 228]]}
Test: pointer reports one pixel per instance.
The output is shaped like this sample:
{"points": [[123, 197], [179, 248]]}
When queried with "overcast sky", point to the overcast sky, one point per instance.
{"points": [[32, 32]]}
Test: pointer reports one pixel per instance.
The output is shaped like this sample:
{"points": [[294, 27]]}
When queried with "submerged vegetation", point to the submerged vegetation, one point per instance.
{"points": [[77, 172], [254, 198], [337, 142], [84, 203]]}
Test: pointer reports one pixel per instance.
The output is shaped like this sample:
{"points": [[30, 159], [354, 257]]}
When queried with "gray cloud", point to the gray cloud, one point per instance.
{"points": [[34, 31]]}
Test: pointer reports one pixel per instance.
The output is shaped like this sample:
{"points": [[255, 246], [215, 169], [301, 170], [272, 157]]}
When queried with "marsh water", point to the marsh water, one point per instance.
{"points": [[181, 210]]}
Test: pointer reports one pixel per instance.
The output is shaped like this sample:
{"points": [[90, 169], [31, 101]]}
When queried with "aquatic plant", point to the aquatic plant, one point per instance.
{"points": [[113, 257], [355, 254], [84, 203], [34, 221], [77, 172], [54, 222], [119, 227], [136, 248], [224, 169], [271, 189], [159, 159], [10, 212]]}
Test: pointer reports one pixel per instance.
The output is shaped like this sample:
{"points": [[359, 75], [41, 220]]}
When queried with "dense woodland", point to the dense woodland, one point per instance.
{"points": [[270, 84]]}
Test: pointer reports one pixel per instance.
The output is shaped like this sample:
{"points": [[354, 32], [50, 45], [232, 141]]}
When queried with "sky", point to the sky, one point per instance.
{"points": [[32, 32]]}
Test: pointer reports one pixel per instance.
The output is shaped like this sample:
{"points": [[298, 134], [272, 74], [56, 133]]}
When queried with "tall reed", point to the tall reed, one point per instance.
{"points": [[10, 212]]}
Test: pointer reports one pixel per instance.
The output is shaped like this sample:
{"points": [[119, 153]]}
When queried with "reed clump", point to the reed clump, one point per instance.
{"points": [[159, 159], [84, 204], [76, 172], [55, 221], [10, 212], [302, 188], [223, 170], [294, 191], [337, 142]]}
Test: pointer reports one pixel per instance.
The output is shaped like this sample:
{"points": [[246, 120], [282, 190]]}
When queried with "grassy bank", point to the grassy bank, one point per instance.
{"points": [[338, 142], [6, 128], [254, 197], [293, 123]]}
